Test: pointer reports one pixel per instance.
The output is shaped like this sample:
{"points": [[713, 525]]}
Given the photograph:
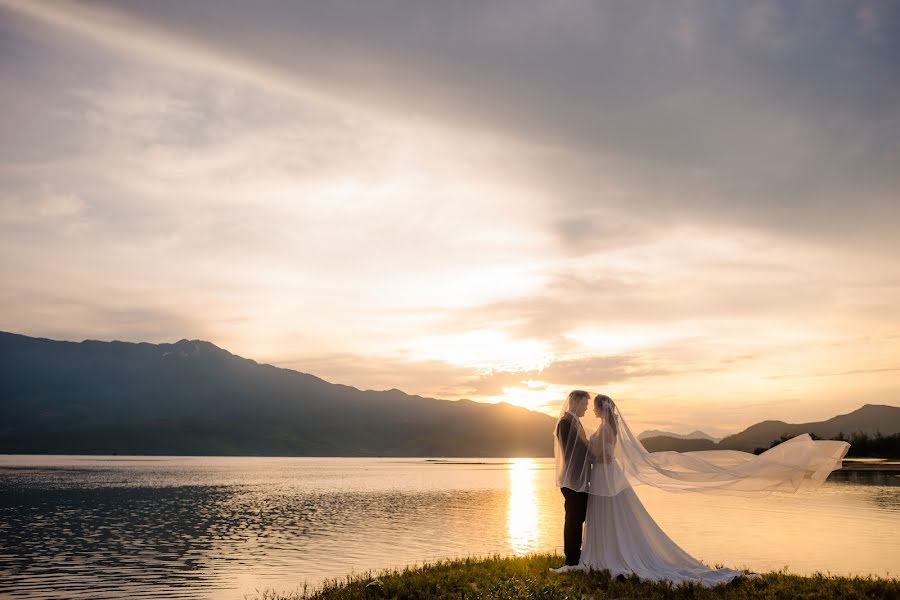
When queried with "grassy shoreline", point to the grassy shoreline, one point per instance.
{"points": [[528, 577]]}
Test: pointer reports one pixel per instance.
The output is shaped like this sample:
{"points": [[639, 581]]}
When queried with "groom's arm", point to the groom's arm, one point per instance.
{"points": [[563, 428], [575, 450]]}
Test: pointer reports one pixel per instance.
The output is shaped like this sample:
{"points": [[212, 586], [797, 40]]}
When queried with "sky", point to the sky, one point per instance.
{"points": [[693, 207]]}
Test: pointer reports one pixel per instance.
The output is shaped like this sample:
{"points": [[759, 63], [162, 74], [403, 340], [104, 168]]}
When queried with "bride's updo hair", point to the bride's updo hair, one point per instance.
{"points": [[601, 402], [604, 404]]}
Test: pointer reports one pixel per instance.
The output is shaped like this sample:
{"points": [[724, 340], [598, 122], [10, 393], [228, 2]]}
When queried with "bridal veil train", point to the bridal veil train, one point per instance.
{"points": [[620, 534]]}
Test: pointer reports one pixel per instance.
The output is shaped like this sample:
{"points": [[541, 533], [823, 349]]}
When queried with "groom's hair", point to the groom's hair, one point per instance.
{"points": [[576, 395]]}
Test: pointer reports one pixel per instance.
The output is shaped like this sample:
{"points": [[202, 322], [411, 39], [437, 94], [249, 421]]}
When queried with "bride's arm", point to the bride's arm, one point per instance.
{"points": [[596, 445], [604, 439]]}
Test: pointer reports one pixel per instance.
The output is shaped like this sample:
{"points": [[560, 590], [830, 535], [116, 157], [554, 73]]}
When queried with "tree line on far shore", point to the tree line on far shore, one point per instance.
{"points": [[862, 445]]}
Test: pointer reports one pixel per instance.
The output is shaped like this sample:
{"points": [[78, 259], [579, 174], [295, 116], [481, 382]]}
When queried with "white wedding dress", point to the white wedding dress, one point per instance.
{"points": [[622, 537]]}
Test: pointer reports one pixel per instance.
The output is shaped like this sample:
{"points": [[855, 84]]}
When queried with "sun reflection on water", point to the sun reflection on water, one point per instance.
{"points": [[522, 518]]}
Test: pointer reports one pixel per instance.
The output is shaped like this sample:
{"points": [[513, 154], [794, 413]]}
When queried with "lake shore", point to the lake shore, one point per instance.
{"points": [[529, 577], [871, 464]]}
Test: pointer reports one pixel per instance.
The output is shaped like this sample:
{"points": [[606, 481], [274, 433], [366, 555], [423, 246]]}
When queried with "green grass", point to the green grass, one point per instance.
{"points": [[528, 577]]}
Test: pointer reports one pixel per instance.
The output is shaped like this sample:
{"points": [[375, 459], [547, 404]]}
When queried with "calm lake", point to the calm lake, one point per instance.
{"points": [[167, 527]]}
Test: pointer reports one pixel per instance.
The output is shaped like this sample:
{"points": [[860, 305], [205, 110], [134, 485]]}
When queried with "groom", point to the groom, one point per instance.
{"points": [[573, 468]]}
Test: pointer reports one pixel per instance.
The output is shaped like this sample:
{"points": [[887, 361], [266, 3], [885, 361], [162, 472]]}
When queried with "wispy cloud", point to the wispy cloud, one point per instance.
{"points": [[693, 207]]}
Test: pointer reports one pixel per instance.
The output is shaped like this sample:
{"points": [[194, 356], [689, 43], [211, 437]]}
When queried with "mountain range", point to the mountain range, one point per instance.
{"points": [[194, 398], [869, 419], [694, 435]]}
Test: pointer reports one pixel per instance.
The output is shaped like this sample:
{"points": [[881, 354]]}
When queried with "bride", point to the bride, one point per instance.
{"points": [[621, 536]]}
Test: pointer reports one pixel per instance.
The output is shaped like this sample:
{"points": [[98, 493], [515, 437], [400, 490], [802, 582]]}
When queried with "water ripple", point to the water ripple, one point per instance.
{"points": [[84, 527]]}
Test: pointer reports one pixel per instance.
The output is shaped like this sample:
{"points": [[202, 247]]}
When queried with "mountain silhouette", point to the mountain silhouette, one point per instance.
{"points": [[694, 435], [194, 398], [660, 443], [869, 419]]}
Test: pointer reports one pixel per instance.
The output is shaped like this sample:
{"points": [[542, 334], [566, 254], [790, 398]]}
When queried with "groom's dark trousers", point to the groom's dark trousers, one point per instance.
{"points": [[576, 509]]}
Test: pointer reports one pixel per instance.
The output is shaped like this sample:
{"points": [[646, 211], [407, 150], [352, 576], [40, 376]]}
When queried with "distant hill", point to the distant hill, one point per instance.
{"points": [[694, 435], [661, 443], [869, 419], [194, 398]]}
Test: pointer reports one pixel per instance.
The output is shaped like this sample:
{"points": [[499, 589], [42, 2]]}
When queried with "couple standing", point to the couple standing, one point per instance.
{"points": [[596, 474]]}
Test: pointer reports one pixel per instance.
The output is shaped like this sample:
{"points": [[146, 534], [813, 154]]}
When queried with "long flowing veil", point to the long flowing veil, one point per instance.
{"points": [[621, 461]]}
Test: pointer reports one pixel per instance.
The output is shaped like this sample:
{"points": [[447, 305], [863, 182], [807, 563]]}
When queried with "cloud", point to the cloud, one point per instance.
{"points": [[842, 373], [681, 204], [427, 377], [730, 136], [591, 372], [68, 314], [43, 204]]}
